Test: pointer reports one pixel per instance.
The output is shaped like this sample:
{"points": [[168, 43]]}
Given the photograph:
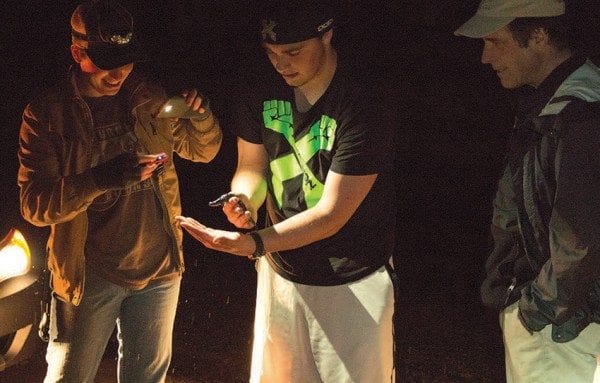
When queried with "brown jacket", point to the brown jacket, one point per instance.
{"points": [[55, 155]]}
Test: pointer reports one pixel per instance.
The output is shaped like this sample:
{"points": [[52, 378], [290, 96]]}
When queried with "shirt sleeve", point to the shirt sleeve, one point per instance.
{"points": [[365, 141], [47, 196], [246, 125]]}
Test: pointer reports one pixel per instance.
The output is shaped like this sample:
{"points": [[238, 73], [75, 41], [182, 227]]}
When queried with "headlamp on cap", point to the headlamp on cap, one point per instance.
{"points": [[114, 39], [107, 27]]}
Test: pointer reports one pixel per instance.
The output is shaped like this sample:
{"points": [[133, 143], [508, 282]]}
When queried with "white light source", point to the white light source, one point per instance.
{"points": [[15, 257]]}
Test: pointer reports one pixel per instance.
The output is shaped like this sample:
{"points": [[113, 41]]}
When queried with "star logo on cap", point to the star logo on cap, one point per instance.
{"points": [[121, 39], [268, 29]]}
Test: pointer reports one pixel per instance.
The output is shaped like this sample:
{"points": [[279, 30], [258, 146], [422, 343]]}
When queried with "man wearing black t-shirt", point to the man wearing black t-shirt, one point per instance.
{"points": [[317, 149]]}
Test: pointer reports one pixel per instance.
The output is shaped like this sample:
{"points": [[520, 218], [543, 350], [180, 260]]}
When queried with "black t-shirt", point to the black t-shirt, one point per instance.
{"points": [[126, 243], [347, 131]]}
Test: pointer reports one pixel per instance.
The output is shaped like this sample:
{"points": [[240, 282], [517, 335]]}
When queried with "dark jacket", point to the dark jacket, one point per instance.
{"points": [[55, 154], [546, 221]]}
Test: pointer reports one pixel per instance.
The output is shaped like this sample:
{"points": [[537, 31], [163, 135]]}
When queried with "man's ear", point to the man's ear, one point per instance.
{"points": [[539, 37], [78, 53]]}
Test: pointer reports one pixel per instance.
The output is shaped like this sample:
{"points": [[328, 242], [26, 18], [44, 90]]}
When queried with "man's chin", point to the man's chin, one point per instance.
{"points": [[509, 84], [111, 91], [292, 81]]}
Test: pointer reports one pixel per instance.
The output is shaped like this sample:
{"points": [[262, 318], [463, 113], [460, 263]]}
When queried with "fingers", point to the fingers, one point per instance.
{"points": [[194, 100], [146, 159], [225, 241], [190, 96], [189, 221], [200, 232], [236, 213], [148, 163], [194, 228], [146, 171]]}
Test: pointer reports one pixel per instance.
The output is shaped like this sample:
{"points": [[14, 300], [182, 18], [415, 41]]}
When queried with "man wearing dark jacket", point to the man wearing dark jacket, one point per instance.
{"points": [[95, 166], [544, 271]]}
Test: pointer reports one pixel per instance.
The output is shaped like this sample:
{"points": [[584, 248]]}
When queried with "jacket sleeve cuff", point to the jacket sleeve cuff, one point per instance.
{"points": [[205, 125], [531, 320], [86, 185]]}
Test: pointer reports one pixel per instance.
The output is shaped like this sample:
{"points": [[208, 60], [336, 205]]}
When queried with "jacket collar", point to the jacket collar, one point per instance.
{"points": [[534, 101]]}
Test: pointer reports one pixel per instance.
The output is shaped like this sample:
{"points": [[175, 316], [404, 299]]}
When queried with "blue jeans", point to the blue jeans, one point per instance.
{"points": [[144, 320]]}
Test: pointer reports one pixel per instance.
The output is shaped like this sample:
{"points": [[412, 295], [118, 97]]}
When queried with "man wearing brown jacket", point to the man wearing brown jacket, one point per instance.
{"points": [[95, 166]]}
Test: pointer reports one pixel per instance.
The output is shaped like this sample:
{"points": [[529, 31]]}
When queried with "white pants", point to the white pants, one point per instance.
{"points": [[538, 359], [330, 334]]}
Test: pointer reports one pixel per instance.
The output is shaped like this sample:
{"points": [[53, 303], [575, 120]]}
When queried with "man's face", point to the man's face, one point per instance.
{"points": [[516, 66], [298, 63], [99, 82]]}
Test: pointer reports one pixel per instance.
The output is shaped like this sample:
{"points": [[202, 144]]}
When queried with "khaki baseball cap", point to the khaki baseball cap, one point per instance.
{"points": [[493, 15]]}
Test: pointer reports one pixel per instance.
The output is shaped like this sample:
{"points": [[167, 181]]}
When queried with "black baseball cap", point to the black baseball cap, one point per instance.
{"points": [[108, 29], [289, 21]]}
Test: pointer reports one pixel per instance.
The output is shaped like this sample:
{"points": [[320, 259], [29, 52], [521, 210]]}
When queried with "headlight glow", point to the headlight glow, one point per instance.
{"points": [[15, 257]]}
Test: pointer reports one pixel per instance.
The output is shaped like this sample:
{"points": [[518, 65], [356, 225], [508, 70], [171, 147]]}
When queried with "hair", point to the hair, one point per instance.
{"points": [[558, 29]]}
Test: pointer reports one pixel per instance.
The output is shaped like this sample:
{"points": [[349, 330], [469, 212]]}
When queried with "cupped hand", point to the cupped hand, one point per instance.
{"points": [[221, 240]]}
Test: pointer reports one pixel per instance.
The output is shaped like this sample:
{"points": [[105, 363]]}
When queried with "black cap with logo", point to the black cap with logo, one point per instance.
{"points": [[289, 21], [108, 29]]}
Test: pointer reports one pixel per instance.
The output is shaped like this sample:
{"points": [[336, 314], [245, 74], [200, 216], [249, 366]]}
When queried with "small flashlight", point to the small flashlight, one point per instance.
{"points": [[176, 107]]}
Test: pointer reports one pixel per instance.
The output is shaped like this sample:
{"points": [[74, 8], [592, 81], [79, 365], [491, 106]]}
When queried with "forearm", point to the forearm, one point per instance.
{"points": [[249, 181], [197, 141], [341, 197], [302, 229], [46, 196], [250, 184], [46, 203]]}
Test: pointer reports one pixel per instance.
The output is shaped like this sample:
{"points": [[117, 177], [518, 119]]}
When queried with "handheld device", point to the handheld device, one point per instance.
{"points": [[161, 158], [175, 107]]}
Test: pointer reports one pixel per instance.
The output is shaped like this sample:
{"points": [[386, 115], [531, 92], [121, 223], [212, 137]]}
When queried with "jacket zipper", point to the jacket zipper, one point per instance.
{"points": [[509, 291], [175, 252]]}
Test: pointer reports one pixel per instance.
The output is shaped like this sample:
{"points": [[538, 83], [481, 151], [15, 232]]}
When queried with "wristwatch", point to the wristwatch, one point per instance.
{"points": [[259, 251]]}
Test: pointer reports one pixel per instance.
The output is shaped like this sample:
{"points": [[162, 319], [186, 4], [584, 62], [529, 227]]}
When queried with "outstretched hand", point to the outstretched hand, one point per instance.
{"points": [[226, 241]]}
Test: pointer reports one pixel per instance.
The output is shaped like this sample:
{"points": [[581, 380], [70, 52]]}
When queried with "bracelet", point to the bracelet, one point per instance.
{"points": [[259, 251]]}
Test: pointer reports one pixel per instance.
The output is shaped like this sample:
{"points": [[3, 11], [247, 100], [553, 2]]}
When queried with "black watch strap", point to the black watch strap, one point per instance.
{"points": [[260, 246]]}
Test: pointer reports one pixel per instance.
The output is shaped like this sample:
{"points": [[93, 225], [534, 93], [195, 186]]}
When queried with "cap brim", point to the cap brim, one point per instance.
{"points": [[109, 56], [480, 26]]}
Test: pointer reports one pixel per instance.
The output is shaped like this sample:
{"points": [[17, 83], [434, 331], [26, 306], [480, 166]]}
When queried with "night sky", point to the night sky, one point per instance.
{"points": [[452, 122]]}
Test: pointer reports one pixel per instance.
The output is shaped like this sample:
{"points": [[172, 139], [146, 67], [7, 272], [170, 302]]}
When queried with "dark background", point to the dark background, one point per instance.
{"points": [[452, 120]]}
